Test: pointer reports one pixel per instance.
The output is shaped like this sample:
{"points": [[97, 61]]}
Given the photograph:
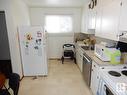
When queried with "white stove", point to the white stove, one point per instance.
{"points": [[113, 81]]}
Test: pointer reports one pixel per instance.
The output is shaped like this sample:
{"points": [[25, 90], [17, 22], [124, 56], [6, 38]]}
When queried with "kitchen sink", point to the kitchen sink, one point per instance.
{"points": [[85, 47]]}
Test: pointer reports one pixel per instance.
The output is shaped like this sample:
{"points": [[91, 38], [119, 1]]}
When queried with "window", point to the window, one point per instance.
{"points": [[58, 23]]}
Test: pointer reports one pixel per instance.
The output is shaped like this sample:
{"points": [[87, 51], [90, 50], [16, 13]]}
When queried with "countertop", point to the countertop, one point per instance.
{"points": [[91, 54]]}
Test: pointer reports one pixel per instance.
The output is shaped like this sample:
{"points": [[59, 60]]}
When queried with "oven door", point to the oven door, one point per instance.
{"points": [[103, 89]]}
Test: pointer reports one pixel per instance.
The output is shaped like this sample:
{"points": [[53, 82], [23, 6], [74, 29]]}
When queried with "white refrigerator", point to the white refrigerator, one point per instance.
{"points": [[33, 50]]}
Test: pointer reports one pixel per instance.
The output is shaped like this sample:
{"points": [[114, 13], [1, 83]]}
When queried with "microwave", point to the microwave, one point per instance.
{"points": [[101, 52]]}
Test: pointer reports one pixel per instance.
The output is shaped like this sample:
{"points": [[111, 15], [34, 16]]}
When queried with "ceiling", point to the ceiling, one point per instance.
{"points": [[55, 3]]}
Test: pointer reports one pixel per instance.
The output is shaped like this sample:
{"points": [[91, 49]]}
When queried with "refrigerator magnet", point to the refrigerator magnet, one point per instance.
{"points": [[29, 37], [38, 41], [36, 47], [39, 34], [27, 46]]}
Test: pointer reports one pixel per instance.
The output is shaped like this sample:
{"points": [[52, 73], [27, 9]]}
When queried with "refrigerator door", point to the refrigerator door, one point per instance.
{"points": [[32, 51]]}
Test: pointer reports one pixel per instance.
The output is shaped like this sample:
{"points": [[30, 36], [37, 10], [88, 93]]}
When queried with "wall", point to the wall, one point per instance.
{"points": [[99, 40], [14, 11], [56, 41], [21, 13], [37, 15]]}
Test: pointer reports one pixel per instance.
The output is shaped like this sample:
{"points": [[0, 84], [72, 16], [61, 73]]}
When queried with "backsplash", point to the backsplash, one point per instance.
{"points": [[98, 40], [82, 36], [79, 36]]}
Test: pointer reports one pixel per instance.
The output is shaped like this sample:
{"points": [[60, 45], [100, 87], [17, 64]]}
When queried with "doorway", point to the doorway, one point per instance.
{"points": [[5, 59]]}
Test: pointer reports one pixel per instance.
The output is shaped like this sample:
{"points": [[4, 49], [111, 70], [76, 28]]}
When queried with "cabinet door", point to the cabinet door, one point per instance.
{"points": [[94, 78], [84, 20], [77, 58], [110, 19], [81, 61], [88, 20], [91, 19], [98, 31], [123, 16], [107, 19]]}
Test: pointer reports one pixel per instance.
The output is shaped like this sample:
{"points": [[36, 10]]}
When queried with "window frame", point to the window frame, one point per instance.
{"points": [[70, 15]]}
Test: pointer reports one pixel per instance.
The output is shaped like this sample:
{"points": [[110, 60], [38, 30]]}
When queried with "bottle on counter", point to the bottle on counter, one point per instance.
{"points": [[116, 57], [124, 58]]}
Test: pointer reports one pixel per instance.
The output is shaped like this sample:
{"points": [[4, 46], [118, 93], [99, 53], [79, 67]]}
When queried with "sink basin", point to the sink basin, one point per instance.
{"points": [[85, 47]]}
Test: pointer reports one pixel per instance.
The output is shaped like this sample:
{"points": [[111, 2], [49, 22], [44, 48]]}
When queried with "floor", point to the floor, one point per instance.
{"points": [[63, 79]]}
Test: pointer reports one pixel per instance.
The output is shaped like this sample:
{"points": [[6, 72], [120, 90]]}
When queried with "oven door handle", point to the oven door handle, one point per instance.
{"points": [[104, 88], [107, 90], [86, 59]]}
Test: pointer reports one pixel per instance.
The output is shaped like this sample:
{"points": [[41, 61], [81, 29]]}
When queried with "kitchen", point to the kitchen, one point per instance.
{"points": [[96, 27]]}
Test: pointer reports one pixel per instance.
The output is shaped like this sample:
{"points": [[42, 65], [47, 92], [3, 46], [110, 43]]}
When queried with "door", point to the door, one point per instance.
{"points": [[5, 58], [4, 43], [98, 31], [94, 78], [78, 59], [110, 19], [88, 20], [123, 16], [91, 18]]}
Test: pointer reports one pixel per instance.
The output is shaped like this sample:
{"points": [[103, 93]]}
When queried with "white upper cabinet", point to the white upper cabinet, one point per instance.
{"points": [[98, 18], [107, 22], [88, 20], [123, 22], [123, 17]]}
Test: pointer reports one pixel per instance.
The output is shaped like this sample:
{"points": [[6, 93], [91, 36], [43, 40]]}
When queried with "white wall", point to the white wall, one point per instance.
{"points": [[56, 41], [55, 44], [37, 15], [21, 13], [14, 11]]}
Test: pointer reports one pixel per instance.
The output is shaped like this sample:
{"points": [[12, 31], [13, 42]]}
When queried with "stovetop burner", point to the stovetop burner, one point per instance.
{"points": [[124, 72], [114, 73]]}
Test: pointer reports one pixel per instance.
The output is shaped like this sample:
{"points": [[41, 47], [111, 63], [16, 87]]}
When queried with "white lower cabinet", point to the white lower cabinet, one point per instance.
{"points": [[94, 78], [79, 58]]}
